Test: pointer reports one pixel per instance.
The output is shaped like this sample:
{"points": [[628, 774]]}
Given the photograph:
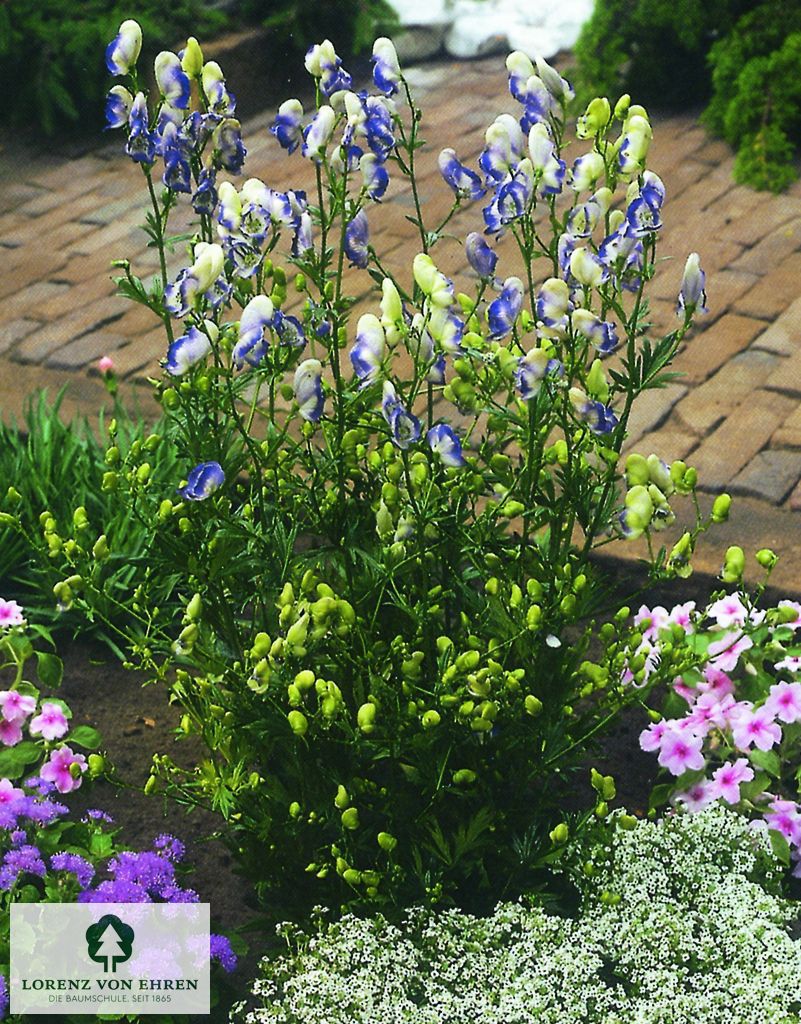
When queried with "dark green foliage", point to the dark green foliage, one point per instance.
{"points": [[741, 56], [351, 25], [52, 69]]}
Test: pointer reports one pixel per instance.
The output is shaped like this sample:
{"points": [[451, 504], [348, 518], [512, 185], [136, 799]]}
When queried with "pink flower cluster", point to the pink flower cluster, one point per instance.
{"points": [[720, 735], [15, 710]]}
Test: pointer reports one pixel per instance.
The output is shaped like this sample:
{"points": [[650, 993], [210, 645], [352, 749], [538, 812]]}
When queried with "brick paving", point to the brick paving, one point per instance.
{"points": [[734, 413]]}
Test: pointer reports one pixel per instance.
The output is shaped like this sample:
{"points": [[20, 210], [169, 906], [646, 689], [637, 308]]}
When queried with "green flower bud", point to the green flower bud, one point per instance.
{"points": [[627, 822], [352, 876], [192, 60], [560, 834], [150, 785], [767, 558], [298, 722], [143, 473], [386, 841], [533, 705], [464, 777], [303, 680], [97, 765], [295, 809], [13, 497], [595, 118], [533, 617], [80, 520], [341, 800], [512, 509], [109, 482], [431, 719], [194, 608], [365, 718], [350, 818], [720, 508], [100, 551], [733, 565]]}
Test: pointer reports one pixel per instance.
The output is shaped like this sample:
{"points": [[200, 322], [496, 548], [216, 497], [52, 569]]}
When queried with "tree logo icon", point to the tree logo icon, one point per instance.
{"points": [[109, 942]]}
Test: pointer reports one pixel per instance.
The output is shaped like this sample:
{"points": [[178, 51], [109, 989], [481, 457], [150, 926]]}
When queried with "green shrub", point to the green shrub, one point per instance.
{"points": [[52, 70], [350, 24], [680, 921]]}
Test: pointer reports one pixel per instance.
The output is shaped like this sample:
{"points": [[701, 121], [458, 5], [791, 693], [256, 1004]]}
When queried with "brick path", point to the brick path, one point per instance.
{"points": [[734, 414]]}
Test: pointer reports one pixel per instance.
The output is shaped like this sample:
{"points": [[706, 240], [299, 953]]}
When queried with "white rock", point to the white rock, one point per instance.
{"points": [[422, 12], [475, 36]]}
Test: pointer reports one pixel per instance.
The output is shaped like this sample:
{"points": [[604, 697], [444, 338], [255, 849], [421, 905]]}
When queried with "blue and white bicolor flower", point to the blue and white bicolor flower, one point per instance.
{"points": [[368, 351], [317, 134], [386, 68], [553, 304], [598, 417], [220, 100], [621, 251], [257, 318], [123, 51], [532, 369], [203, 481], [602, 334], [190, 349], [504, 311], [204, 200], [375, 178], [643, 215], [548, 168], [480, 256], [177, 174], [303, 239], [322, 62], [246, 258], [587, 269], [503, 149], [378, 125], [465, 183], [345, 159], [118, 106], [520, 69], [229, 214], [404, 426], [141, 144], [634, 144], [308, 389], [557, 86], [432, 282], [446, 329], [172, 80], [587, 171], [444, 442], [583, 219], [692, 296], [419, 341], [357, 237], [391, 312], [564, 250], [229, 149], [288, 125], [528, 89], [194, 281], [289, 329]]}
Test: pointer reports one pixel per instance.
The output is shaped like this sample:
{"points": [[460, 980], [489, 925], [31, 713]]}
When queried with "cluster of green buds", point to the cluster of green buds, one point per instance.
{"points": [[190, 623], [651, 482]]}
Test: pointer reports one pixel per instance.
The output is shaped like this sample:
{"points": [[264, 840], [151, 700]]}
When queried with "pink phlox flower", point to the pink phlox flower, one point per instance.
{"points": [[792, 663], [58, 769], [728, 611], [784, 701], [716, 681], [51, 723], [698, 797], [11, 614], [651, 738], [10, 733], [657, 618], [728, 777], [680, 615], [753, 728], [725, 653], [16, 706], [710, 711], [786, 819], [9, 794], [689, 693], [796, 622], [681, 750]]}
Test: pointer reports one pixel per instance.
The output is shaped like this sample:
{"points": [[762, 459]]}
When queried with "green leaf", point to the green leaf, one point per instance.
{"points": [[767, 760], [50, 669], [660, 795], [15, 760], [85, 736], [780, 846]]}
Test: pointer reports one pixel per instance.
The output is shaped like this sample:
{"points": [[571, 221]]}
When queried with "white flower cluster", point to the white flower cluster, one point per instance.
{"points": [[689, 930]]}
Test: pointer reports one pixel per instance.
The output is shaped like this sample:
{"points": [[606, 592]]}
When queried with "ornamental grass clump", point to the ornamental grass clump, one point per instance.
{"points": [[680, 921], [381, 538]]}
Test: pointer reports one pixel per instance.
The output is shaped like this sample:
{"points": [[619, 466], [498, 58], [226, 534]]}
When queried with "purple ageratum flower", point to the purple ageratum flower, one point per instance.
{"points": [[221, 951], [152, 871], [229, 150], [357, 235], [202, 482], [172, 80], [288, 125], [465, 183], [51, 722], [442, 440], [386, 67], [141, 144], [123, 51], [504, 311], [76, 865], [205, 198], [118, 106], [257, 318], [308, 389], [367, 353], [115, 891], [95, 814], [4, 998], [375, 177], [692, 295], [59, 769], [42, 811], [532, 370], [170, 847], [189, 349], [24, 860], [480, 256]]}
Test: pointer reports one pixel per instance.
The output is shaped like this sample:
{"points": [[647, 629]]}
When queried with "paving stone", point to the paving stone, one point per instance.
{"points": [[704, 406], [771, 295], [789, 433], [82, 351], [716, 345], [652, 408], [775, 247], [15, 331], [669, 443], [37, 266], [787, 376], [27, 302], [738, 439], [770, 475], [784, 335]]}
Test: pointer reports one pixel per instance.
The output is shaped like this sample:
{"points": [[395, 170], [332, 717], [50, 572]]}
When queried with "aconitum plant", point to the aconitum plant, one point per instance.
{"points": [[730, 727], [381, 542]]}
